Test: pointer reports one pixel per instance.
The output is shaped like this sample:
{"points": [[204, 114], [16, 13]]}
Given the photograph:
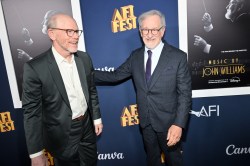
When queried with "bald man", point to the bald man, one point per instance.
{"points": [[60, 102]]}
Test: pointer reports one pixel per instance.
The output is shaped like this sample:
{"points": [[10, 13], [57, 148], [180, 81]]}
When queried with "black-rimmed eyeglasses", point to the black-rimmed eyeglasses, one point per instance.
{"points": [[70, 32], [153, 31]]}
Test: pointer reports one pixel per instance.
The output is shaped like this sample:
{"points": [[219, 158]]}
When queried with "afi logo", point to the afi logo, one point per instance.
{"points": [[124, 19], [211, 110]]}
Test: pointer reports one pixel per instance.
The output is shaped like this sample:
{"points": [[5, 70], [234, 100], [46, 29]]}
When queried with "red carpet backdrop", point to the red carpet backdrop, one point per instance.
{"points": [[218, 129]]}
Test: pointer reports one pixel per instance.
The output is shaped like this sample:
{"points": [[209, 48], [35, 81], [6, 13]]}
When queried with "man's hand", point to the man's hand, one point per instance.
{"points": [[39, 161], [207, 19], [208, 26], [98, 129], [23, 55], [174, 135], [26, 35], [202, 44], [199, 42]]}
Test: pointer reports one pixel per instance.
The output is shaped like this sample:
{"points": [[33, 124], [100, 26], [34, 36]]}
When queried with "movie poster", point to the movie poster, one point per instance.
{"points": [[25, 23], [218, 36]]}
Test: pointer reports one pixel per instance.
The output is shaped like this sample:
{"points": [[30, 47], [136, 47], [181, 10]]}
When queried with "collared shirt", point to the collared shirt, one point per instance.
{"points": [[72, 84], [156, 53]]}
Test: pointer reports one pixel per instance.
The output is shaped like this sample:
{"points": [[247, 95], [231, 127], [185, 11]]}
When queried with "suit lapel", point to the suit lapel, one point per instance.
{"points": [[56, 76], [141, 68], [82, 76], [162, 63]]}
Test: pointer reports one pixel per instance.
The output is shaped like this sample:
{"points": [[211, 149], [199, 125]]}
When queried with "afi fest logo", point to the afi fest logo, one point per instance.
{"points": [[129, 116], [124, 19], [211, 110], [49, 158], [6, 123]]}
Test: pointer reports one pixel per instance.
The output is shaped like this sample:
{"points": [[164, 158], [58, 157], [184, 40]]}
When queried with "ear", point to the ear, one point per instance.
{"points": [[51, 34], [163, 30]]}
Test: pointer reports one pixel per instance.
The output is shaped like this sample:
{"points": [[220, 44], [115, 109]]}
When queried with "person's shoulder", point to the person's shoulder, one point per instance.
{"points": [[82, 54], [173, 49], [39, 58], [138, 51]]}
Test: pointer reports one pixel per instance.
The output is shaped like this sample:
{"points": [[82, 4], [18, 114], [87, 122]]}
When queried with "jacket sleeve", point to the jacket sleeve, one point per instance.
{"points": [[122, 73], [31, 104], [184, 92], [93, 95]]}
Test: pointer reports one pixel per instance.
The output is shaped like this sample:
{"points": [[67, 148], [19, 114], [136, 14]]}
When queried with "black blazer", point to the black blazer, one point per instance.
{"points": [[166, 99], [47, 112]]}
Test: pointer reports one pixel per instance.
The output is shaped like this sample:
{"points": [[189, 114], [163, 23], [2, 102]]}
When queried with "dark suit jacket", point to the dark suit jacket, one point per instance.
{"points": [[166, 100], [47, 112]]}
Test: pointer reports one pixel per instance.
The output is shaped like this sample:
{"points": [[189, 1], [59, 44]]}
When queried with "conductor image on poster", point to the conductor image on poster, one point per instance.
{"points": [[25, 27], [218, 43]]}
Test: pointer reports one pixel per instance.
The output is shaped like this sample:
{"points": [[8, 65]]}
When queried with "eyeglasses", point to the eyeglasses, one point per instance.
{"points": [[153, 31], [70, 32]]}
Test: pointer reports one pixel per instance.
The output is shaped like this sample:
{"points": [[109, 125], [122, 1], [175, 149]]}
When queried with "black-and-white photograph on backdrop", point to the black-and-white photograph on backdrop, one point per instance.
{"points": [[25, 23], [218, 46]]}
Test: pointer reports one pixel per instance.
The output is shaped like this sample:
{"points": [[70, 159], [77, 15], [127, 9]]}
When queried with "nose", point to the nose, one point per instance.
{"points": [[150, 33]]}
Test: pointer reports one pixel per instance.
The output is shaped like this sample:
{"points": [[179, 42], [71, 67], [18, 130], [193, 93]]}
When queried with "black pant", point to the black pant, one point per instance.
{"points": [[155, 143], [81, 149]]}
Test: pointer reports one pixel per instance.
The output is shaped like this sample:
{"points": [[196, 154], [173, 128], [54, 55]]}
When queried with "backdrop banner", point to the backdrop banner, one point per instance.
{"points": [[218, 128]]}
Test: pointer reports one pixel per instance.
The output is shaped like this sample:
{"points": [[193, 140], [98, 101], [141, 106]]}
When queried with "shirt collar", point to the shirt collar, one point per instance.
{"points": [[59, 58], [159, 46]]}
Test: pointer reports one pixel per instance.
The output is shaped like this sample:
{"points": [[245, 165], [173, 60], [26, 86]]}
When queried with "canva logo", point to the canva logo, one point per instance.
{"points": [[110, 156], [207, 111], [233, 150], [106, 68]]}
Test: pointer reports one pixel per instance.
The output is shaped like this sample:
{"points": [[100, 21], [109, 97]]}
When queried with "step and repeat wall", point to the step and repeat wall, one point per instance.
{"points": [[218, 131]]}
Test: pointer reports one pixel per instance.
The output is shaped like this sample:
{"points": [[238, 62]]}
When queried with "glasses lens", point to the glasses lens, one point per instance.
{"points": [[154, 31], [145, 31], [70, 32]]}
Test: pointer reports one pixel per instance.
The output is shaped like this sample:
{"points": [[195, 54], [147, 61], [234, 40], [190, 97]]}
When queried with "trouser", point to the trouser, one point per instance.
{"points": [[81, 149], [155, 143]]}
